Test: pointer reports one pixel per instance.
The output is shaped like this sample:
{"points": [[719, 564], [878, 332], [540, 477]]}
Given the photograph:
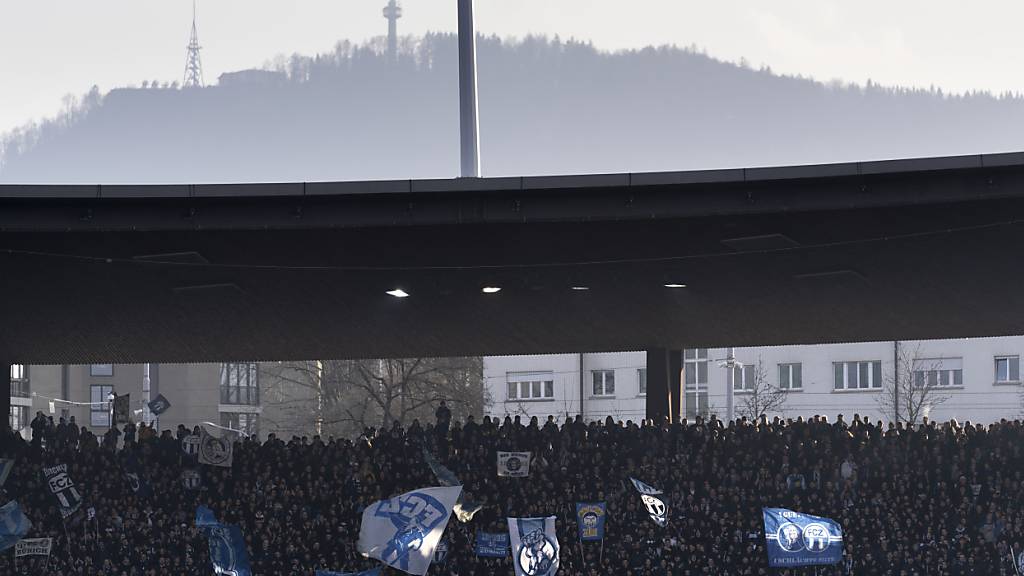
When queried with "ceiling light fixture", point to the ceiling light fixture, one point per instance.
{"points": [[675, 285], [491, 289], [581, 288], [398, 293]]}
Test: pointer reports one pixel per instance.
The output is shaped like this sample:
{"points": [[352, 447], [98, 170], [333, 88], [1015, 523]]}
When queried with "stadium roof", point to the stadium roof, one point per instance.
{"points": [[906, 249]]}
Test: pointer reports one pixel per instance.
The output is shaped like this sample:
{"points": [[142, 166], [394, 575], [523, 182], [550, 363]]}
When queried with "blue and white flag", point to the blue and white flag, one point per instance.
{"points": [[534, 546], [403, 531], [374, 572], [491, 544], [796, 539], [590, 520], [227, 545], [514, 464], [14, 525], [651, 497]]}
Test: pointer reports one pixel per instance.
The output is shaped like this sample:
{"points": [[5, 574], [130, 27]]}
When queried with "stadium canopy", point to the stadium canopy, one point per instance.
{"points": [[905, 249]]}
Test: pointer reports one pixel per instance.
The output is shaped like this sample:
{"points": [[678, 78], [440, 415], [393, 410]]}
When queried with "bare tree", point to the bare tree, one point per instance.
{"points": [[760, 395], [342, 397], [913, 388]]}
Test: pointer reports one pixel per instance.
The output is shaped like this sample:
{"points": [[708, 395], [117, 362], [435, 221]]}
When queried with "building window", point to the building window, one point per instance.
{"points": [[641, 378], [791, 377], [744, 378], [102, 370], [99, 407], [695, 373], [243, 422], [1007, 369], [604, 382], [858, 375], [931, 372], [19, 381], [531, 385], [19, 418], [239, 384]]}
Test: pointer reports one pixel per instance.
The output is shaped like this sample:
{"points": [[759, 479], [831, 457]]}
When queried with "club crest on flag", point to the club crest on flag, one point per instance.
{"points": [[404, 531], [215, 451], [796, 539], [534, 546]]}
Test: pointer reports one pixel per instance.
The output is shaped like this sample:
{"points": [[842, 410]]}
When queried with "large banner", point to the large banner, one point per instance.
{"points": [[651, 497], [464, 509], [403, 532], [33, 547], [63, 489], [514, 464], [491, 545], [590, 520], [14, 525], [796, 539], [122, 409], [534, 546], [227, 544], [215, 451]]}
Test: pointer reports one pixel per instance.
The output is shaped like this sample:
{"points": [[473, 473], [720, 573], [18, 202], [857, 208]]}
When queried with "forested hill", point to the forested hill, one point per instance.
{"points": [[545, 107]]}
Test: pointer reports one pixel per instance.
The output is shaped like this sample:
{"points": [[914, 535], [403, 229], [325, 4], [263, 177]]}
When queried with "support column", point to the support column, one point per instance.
{"points": [[664, 384], [5, 391]]}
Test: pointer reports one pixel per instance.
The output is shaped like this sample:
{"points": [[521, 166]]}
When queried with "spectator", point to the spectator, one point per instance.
{"points": [[935, 499]]}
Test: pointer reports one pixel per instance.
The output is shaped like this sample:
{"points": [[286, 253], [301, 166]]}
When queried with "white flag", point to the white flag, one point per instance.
{"points": [[514, 464], [650, 496], [33, 547], [403, 532], [534, 546], [215, 451]]}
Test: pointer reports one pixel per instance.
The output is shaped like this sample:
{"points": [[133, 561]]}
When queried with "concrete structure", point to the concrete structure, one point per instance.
{"points": [[980, 377], [230, 395], [855, 252]]}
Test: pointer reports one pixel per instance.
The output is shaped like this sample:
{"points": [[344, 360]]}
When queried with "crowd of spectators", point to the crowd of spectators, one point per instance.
{"points": [[932, 499]]}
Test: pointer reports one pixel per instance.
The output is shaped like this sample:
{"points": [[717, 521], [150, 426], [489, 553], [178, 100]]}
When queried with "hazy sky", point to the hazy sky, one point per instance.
{"points": [[49, 48]]}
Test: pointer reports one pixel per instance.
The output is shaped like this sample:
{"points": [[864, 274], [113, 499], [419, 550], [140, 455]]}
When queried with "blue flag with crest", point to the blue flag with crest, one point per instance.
{"points": [[227, 545], [590, 520], [795, 539]]}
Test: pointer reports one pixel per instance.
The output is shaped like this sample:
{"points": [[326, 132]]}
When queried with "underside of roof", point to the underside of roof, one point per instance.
{"points": [[855, 252]]}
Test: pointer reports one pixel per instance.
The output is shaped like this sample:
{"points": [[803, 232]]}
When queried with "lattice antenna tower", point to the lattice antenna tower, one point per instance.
{"points": [[392, 12], [193, 63]]}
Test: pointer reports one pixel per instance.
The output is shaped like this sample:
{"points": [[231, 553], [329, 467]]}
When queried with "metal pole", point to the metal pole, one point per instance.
{"points": [[730, 375], [582, 417], [896, 380], [469, 119], [146, 416]]}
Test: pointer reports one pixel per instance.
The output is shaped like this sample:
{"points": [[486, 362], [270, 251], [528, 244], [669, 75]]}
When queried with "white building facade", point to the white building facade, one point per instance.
{"points": [[979, 380]]}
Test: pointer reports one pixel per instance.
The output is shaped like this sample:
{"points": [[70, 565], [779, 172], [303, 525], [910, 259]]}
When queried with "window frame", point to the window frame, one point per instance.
{"points": [[935, 374], [100, 408], [605, 381], [232, 390], [743, 379], [857, 368], [790, 369], [94, 371], [1010, 360], [233, 420], [641, 381], [528, 384]]}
